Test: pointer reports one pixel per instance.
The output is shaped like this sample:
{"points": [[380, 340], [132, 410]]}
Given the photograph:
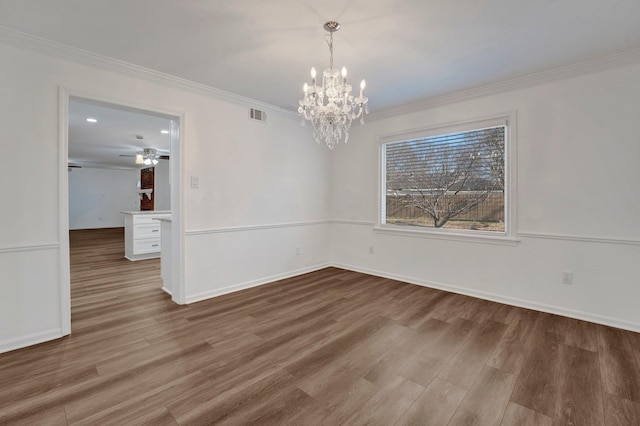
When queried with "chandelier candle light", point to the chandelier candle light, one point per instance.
{"points": [[332, 120]]}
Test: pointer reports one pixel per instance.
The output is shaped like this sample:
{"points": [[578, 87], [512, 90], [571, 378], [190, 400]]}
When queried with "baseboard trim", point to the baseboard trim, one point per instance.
{"points": [[255, 283], [522, 303], [30, 340]]}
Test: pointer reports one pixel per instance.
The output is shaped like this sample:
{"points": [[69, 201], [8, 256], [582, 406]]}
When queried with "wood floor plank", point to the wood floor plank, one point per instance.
{"points": [[580, 395], [117, 388], [435, 406], [435, 355], [465, 366], [337, 407], [54, 416], [582, 334], [348, 367], [389, 404], [539, 380], [486, 401], [130, 415], [619, 369], [550, 323], [517, 415], [620, 411], [512, 350]]}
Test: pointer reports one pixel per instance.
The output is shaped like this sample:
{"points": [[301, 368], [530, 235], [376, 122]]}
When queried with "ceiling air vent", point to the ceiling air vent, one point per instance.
{"points": [[256, 114]]}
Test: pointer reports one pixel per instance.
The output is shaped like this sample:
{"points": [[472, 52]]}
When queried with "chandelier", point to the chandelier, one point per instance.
{"points": [[331, 107]]}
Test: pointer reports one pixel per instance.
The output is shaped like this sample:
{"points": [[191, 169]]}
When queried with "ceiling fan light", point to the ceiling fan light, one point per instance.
{"points": [[154, 161], [147, 161], [139, 159]]}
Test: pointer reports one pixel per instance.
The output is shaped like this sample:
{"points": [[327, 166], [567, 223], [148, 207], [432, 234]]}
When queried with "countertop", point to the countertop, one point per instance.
{"points": [[148, 212]]}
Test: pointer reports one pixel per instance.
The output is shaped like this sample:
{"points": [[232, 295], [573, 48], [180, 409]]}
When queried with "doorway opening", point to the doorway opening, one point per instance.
{"points": [[104, 145]]}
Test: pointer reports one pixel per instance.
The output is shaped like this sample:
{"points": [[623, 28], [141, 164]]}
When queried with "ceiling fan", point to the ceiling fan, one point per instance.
{"points": [[147, 157]]}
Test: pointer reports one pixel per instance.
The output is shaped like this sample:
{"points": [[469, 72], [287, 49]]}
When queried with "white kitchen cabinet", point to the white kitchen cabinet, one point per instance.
{"points": [[142, 234]]}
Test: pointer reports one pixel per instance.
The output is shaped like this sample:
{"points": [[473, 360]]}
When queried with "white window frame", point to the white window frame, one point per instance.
{"points": [[509, 236]]}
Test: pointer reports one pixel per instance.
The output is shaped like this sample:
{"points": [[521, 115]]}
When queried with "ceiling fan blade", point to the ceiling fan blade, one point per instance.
{"points": [[163, 157], [127, 155]]}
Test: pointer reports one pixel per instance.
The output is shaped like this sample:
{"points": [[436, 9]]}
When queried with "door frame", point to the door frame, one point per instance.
{"points": [[177, 179]]}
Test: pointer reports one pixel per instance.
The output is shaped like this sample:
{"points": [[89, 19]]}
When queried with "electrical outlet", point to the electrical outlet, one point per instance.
{"points": [[298, 251], [567, 277], [195, 182]]}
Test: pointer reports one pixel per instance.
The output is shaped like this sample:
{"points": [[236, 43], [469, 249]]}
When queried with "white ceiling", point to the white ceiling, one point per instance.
{"points": [[102, 143], [408, 50]]}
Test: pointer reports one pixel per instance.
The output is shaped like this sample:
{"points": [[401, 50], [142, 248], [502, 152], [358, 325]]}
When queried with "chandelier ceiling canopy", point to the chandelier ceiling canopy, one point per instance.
{"points": [[331, 107]]}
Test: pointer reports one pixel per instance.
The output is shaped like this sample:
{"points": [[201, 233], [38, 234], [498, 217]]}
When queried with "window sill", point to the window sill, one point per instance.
{"points": [[465, 236]]}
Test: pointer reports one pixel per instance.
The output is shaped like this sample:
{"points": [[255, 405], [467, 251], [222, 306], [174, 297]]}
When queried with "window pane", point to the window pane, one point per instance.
{"points": [[448, 181]]}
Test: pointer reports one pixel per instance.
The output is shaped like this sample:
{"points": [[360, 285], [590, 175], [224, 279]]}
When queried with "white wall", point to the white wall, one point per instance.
{"points": [[162, 189], [97, 196], [252, 174], [577, 193]]}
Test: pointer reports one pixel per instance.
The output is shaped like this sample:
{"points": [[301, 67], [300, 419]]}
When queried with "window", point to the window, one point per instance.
{"points": [[449, 180]]}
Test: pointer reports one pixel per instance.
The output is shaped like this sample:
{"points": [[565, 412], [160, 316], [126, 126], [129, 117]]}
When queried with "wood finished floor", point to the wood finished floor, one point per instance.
{"points": [[330, 347]]}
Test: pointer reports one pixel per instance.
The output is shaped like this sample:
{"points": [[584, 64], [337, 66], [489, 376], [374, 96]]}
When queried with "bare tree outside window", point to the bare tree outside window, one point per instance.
{"points": [[447, 177]]}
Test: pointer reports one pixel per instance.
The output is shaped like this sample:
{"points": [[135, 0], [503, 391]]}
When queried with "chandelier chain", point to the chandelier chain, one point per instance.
{"points": [[330, 43]]}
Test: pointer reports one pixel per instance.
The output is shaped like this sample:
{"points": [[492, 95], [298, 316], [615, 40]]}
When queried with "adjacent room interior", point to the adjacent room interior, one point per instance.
{"points": [[176, 248]]}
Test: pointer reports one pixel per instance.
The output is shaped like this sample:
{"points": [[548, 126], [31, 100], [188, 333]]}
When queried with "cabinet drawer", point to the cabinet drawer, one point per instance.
{"points": [[151, 230], [150, 245], [144, 219]]}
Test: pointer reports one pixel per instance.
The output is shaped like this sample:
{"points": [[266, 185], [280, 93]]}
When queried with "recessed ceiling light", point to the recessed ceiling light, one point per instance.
{"points": [[91, 120], [164, 132]]}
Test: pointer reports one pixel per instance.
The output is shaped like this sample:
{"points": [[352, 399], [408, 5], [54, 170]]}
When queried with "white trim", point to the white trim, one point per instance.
{"points": [[83, 57], [450, 127], [255, 227], [29, 247], [178, 208], [598, 240], [464, 236], [558, 310], [353, 222], [618, 60], [487, 238], [32, 339], [63, 210], [255, 283]]}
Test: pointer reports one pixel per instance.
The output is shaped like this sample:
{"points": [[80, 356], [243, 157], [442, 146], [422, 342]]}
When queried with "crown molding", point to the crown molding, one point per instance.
{"points": [[628, 57], [84, 57]]}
